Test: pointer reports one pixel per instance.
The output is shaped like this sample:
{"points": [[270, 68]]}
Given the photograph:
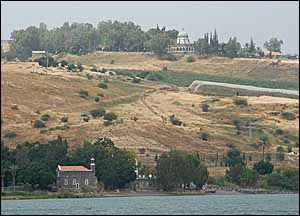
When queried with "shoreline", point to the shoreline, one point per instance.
{"points": [[110, 194]]}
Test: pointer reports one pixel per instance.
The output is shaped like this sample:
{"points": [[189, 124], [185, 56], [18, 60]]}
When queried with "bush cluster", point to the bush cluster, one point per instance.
{"points": [[240, 101], [98, 113], [38, 124], [103, 85]]}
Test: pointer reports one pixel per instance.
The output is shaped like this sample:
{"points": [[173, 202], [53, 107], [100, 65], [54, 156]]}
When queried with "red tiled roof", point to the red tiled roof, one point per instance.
{"points": [[73, 168]]}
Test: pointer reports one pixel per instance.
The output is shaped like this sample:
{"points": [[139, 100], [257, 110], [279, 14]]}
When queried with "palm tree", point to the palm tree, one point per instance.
{"points": [[13, 171], [265, 142]]}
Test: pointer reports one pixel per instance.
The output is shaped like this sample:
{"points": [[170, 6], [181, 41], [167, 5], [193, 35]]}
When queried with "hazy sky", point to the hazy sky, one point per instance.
{"points": [[261, 20]]}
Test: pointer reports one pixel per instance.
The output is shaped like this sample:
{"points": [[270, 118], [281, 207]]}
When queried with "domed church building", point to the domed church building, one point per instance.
{"points": [[183, 44]]}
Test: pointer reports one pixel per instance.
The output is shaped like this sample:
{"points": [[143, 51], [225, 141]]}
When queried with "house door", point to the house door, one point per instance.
{"points": [[77, 185]]}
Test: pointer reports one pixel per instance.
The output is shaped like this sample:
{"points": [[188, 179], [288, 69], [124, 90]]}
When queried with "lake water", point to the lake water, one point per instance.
{"points": [[206, 204]]}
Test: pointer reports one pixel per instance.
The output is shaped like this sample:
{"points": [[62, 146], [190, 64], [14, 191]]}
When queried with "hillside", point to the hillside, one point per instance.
{"points": [[247, 69], [55, 91]]}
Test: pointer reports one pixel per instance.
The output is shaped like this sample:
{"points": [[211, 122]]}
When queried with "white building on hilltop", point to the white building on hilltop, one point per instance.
{"points": [[183, 44]]}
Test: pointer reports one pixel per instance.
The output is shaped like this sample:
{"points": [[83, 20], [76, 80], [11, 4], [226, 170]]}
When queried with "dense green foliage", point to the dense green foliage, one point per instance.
{"points": [[98, 113], [284, 179], [10, 134], [83, 93], [273, 45], [46, 61], [110, 116], [177, 168], [45, 117], [238, 171], [288, 115], [81, 38], [240, 101], [114, 167], [36, 163], [280, 153], [186, 78], [38, 124], [175, 121], [263, 167], [102, 85]]}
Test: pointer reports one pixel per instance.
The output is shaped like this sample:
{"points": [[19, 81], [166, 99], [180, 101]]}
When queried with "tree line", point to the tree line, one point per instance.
{"points": [[82, 38], [34, 164]]}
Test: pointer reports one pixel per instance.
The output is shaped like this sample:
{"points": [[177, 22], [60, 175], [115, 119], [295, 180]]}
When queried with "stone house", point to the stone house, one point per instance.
{"points": [[76, 178]]}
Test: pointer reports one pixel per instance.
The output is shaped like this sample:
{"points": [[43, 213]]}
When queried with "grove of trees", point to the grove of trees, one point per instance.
{"points": [[82, 38], [176, 168]]}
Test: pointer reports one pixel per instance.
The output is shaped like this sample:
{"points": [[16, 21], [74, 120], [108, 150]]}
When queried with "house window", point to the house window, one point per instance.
{"points": [[74, 181], [86, 182], [66, 182]]}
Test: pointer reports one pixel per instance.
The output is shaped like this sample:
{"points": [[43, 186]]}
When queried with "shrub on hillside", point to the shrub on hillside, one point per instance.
{"points": [[45, 117], [205, 107], [263, 167], [38, 124], [175, 121], [103, 85], [165, 68], [86, 118], [107, 123], [190, 59], [288, 115], [110, 116], [64, 119], [83, 93], [63, 63], [154, 77], [136, 80], [71, 67], [286, 179], [89, 76], [279, 132], [94, 69], [240, 101], [168, 57], [80, 67], [238, 125], [98, 113], [204, 136], [143, 74], [280, 153], [112, 61], [46, 61], [97, 99], [10, 134], [9, 56]]}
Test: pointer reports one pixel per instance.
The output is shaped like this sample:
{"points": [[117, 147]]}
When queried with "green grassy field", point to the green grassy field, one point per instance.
{"points": [[186, 78]]}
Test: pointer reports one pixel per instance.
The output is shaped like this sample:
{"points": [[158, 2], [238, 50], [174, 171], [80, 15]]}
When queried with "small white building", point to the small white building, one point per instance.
{"points": [[38, 53]]}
